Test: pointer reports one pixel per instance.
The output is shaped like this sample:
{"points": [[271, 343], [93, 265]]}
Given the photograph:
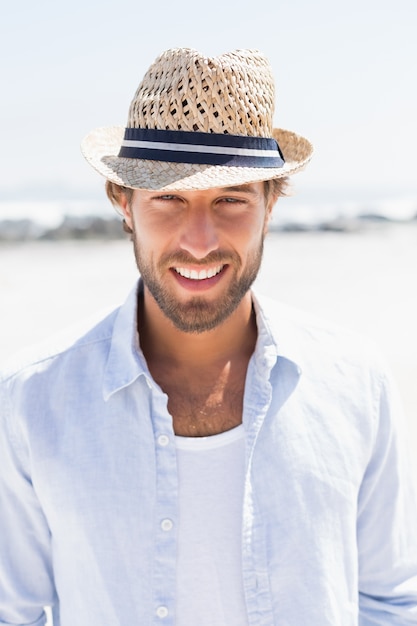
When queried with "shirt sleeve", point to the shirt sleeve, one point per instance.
{"points": [[26, 581], [387, 522]]}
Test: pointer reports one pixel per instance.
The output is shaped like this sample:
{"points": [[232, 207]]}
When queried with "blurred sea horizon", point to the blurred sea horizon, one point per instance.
{"points": [[41, 215]]}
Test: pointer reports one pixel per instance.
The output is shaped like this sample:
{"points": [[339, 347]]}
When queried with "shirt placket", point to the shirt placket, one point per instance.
{"points": [[254, 557], [166, 513]]}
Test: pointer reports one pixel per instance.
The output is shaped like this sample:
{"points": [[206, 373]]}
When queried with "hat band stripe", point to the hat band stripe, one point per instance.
{"points": [[178, 147], [202, 148]]}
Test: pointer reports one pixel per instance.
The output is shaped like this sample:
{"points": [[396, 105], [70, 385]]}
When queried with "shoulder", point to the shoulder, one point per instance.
{"points": [[313, 340], [91, 334]]}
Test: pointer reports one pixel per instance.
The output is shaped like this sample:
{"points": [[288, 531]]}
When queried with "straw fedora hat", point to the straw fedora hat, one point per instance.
{"points": [[198, 122]]}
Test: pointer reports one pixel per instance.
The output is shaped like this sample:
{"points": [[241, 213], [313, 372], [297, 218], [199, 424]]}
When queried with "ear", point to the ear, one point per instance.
{"points": [[126, 209]]}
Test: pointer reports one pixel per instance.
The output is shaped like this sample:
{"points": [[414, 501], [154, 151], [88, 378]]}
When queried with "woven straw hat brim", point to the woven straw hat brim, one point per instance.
{"points": [[102, 145]]}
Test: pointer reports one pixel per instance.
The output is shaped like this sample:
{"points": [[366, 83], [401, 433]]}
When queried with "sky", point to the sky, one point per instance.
{"points": [[345, 78]]}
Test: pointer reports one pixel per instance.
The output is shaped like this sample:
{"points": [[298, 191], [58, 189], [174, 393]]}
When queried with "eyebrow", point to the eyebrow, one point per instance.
{"points": [[241, 188]]}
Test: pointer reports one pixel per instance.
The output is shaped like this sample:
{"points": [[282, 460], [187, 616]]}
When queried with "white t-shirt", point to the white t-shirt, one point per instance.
{"points": [[209, 566]]}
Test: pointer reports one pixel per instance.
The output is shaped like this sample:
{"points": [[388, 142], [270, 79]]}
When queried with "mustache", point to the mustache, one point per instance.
{"points": [[216, 257]]}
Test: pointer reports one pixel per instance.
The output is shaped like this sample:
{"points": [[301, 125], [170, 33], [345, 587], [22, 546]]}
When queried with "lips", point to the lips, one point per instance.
{"points": [[202, 274]]}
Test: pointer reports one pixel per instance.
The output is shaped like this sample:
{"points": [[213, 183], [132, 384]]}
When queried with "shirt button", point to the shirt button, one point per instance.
{"points": [[163, 440], [162, 611], [166, 524]]}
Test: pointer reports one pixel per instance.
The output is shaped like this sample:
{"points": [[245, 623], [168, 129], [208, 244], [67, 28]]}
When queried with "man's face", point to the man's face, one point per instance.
{"points": [[198, 252]]}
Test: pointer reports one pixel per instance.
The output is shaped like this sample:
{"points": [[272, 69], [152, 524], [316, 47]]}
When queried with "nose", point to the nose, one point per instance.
{"points": [[199, 234]]}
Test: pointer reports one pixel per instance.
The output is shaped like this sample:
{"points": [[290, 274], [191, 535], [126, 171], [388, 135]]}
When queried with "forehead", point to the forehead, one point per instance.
{"points": [[254, 190]]}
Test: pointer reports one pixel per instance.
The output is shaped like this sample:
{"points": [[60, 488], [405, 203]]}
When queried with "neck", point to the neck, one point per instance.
{"points": [[160, 339]]}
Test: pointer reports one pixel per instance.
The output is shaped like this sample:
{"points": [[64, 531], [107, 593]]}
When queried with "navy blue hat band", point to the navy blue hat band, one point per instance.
{"points": [[204, 148]]}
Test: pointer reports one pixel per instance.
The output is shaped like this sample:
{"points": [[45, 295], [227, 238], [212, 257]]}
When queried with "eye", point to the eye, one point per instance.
{"points": [[228, 200], [166, 197], [166, 200]]}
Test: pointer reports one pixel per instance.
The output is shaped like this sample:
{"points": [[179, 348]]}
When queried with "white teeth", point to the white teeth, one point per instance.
{"points": [[201, 275]]}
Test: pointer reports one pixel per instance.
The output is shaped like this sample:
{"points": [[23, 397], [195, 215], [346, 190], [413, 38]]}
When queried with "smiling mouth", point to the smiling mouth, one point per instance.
{"points": [[202, 274]]}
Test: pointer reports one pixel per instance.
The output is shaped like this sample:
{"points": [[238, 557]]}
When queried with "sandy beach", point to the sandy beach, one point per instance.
{"points": [[362, 280]]}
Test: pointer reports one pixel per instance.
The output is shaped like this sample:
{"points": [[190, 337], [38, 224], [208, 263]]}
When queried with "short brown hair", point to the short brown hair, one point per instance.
{"points": [[276, 188], [114, 192]]}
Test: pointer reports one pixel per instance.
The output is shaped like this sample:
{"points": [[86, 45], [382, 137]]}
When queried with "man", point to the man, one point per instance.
{"points": [[202, 455]]}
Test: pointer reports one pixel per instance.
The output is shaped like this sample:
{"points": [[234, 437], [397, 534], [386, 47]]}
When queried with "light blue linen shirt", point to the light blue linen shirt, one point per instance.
{"points": [[89, 480]]}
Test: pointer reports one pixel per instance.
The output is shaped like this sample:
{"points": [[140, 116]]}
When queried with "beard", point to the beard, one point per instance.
{"points": [[198, 314]]}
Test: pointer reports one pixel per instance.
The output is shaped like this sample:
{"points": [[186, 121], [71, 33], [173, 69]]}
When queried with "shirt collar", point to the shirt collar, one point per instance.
{"points": [[277, 338], [278, 330], [125, 361]]}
